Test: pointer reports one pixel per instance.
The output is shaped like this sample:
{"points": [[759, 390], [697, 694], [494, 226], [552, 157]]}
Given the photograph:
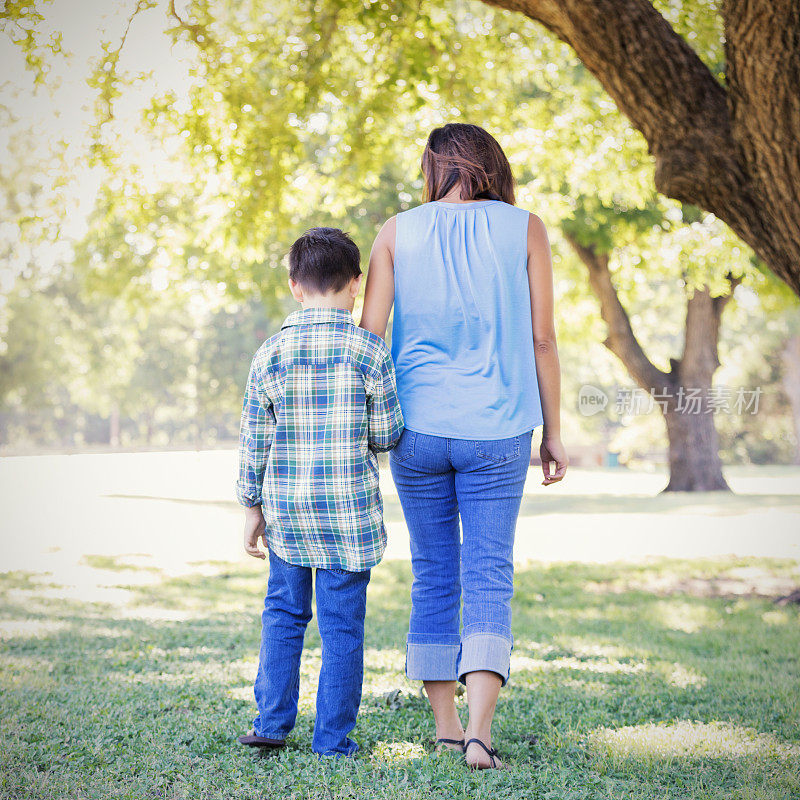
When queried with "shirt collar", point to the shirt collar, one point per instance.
{"points": [[316, 316]]}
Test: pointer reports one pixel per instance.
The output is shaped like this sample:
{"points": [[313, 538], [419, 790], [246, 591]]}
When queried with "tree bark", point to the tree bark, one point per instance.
{"points": [[683, 392], [734, 152], [694, 462]]}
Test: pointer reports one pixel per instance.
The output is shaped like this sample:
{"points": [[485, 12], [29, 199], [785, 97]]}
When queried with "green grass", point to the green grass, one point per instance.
{"points": [[629, 681]]}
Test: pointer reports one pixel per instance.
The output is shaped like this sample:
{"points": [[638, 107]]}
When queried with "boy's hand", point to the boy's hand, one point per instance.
{"points": [[254, 529]]}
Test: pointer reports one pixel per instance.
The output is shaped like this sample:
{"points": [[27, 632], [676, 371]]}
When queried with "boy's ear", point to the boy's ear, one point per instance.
{"points": [[355, 285], [296, 289]]}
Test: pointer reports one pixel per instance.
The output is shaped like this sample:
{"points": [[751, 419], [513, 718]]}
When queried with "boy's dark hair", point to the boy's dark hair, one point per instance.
{"points": [[324, 260]]}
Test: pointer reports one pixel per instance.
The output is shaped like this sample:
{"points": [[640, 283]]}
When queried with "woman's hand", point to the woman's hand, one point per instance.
{"points": [[552, 450]]}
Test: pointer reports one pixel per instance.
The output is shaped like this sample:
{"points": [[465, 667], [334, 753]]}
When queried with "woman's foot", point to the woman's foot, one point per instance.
{"points": [[480, 754], [449, 731], [450, 734], [444, 743], [483, 687]]}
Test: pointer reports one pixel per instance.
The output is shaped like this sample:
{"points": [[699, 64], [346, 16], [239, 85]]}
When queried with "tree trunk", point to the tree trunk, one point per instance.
{"points": [[733, 151], [683, 392], [791, 385], [694, 462]]}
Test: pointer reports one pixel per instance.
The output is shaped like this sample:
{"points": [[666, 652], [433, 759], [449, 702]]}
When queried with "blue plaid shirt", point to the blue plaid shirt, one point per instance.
{"points": [[321, 400]]}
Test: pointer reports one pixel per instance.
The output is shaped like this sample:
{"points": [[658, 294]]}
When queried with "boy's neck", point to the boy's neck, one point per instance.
{"points": [[343, 300], [324, 302]]}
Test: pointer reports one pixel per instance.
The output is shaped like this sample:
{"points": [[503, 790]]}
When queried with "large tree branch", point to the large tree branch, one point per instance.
{"points": [[762, 47], [700, 358], [722, 300], [663, 87], [621, 339], [656, 80]]}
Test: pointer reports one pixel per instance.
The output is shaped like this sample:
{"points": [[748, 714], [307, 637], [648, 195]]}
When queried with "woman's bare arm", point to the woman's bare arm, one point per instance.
{"points": [[379, 294], [548, 368]]}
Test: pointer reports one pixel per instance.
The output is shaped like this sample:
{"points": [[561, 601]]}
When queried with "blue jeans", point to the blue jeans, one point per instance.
{"points": [[341, 606], [437, 479]]}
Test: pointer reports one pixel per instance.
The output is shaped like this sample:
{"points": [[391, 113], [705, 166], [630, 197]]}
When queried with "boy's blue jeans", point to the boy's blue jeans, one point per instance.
{"points": [[437, 479], [341, 606]]}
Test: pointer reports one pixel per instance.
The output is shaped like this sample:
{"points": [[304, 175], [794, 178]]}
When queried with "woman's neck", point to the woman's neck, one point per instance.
{"points": [[454, 196]]}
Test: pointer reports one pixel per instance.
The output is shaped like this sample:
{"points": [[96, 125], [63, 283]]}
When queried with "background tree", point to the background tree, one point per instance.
{"points": [[683, 393], [300, 116], [791, 384], [760, 328]]}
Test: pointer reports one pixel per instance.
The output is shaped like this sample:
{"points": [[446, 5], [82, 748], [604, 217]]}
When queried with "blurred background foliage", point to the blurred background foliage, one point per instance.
{"points": [[218, 130]]}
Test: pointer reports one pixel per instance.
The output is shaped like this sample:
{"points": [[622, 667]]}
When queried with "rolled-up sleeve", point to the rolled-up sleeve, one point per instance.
{"points": [[255, 438], [385, 416]]}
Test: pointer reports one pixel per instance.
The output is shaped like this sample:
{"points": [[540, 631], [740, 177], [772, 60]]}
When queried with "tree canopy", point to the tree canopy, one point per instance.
{"points": [[300, 115]]}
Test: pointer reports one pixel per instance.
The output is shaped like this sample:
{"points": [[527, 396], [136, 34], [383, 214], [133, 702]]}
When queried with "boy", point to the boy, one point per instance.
{"points": [[320, 401]]}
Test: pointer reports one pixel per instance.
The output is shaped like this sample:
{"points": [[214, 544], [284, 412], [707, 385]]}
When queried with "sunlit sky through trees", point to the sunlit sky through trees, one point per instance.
{"points": [[55, 118]]}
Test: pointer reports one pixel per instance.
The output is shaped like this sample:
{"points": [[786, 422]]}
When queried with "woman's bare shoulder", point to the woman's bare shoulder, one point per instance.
{"points": [[386, 235], [539, 257], [536, 227]]}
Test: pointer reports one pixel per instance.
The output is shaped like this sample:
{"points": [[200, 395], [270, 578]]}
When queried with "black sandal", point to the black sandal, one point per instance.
{"points": [[489, 752], [444, 742]]}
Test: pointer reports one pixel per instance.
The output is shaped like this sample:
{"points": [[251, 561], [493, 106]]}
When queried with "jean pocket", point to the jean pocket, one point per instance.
{"points": [[498, 451], [404, 449]]}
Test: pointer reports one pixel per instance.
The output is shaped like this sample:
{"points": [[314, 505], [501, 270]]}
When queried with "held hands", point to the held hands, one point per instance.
{"points": [[553, 450], [254, 529]]}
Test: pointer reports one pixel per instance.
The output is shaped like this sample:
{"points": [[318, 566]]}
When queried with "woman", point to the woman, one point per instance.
{"points": [[473, 340]]}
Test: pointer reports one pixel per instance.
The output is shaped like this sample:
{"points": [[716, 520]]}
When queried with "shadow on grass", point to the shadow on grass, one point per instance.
{"points": [[615, 691]]}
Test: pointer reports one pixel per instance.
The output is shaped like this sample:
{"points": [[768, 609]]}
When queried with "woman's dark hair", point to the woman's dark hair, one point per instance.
{"points": [[324, 260], [457, 152]]}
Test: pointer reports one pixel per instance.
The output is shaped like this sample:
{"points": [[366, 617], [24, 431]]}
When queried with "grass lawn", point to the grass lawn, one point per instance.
{"points": [[650, 680]]}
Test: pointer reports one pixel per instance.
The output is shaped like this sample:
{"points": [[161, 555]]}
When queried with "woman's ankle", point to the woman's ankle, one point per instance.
{"points": [[441, 696], [482, 734], [450, 727]]}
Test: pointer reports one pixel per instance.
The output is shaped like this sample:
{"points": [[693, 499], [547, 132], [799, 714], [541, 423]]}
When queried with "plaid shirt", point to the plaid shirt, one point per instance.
{"points": [[320, 401]]}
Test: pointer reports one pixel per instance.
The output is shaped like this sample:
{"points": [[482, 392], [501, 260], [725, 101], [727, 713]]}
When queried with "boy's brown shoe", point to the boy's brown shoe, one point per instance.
{"points": [[250, 739]]}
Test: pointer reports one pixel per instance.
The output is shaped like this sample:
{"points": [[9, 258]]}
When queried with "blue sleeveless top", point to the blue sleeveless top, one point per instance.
{"points": [[462, 340]]}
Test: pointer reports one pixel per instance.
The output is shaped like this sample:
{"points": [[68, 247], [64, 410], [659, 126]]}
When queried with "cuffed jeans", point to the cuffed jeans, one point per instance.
{"points": [[341, 607], [437, 480]]}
